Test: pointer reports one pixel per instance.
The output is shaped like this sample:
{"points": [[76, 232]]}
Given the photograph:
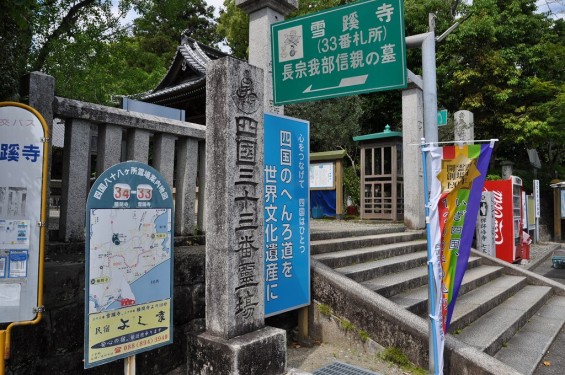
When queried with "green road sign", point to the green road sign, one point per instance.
{"points": [[442, 117], [347, 50]]}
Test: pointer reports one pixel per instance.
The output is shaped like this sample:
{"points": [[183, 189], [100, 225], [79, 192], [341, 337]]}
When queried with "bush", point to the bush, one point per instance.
{"points": [[352, 183]]}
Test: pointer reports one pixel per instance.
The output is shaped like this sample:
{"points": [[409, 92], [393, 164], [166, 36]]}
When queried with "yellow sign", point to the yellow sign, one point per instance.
{"points": [[128, 330]]}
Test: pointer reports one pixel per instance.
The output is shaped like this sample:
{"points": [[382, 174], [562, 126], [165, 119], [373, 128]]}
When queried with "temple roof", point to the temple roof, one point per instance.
{"points": [[184, 85]]}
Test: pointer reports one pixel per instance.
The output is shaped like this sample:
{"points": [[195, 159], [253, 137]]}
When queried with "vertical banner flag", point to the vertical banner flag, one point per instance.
{"points": [[460, 173], [458, 176]]}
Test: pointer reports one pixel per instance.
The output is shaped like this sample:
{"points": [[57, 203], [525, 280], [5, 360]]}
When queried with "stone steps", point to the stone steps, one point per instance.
{"points": [[416, 300], [321, 235], [355, 256], [392, 284], [525, 350], [497, 313], [348, 243], [477, 302], [493, 329]]}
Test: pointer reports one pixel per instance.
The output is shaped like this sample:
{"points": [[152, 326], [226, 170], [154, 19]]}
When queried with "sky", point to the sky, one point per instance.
{"points": [[555, 7]]}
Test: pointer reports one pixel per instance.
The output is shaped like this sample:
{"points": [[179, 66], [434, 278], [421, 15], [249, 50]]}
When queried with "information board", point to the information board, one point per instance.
{"points": [[129, 263], [347, 50], [23, 181], [321, 175], [286, 219]]}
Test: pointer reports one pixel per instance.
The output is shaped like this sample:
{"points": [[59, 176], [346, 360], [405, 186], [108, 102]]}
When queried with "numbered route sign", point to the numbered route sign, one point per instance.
{"points": [[129, 264]]}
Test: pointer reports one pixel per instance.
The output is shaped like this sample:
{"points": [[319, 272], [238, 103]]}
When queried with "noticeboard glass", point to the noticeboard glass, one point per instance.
{"points": [[322, 175]]}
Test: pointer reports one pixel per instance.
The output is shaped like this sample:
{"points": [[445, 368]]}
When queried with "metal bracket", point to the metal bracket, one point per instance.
{"points": [[45, 140], [41, 224], [40, 309]]}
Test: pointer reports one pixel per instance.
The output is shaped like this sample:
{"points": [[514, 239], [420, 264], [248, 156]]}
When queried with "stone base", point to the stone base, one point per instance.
{"points": [[261, 352]]}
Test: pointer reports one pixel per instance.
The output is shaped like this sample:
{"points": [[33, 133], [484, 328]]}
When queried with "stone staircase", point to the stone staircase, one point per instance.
{"points": [[503, 311]]}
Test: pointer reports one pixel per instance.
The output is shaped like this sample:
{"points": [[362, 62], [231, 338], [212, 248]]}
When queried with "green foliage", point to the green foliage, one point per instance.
{"points": [[333, 122], [346, 325], [88, 48], [396, 356], [493, 177], [161, 23], [363, 335], [233, 25], [325, 310], [352, 182]]}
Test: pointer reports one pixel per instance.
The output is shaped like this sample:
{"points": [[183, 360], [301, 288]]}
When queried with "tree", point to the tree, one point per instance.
{"points": [[15, 39], [333, 123], [501, 64], [38, 34], [86, 41], [161, 23], [233, 27]]}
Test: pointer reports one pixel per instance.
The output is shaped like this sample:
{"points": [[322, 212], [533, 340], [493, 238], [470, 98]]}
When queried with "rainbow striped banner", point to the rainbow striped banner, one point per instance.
{"points": [[462, 177], [458, 175]]}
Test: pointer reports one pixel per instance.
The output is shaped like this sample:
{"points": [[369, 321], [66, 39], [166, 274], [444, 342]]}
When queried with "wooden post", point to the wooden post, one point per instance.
{"points": [[338, 189], [556, 211]]}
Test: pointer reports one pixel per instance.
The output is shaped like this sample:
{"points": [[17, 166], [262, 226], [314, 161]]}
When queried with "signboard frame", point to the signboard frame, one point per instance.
{"points": [[291, 292], [562, 194], [121, 326], [23, 294], [325, 183], [359, 56]]}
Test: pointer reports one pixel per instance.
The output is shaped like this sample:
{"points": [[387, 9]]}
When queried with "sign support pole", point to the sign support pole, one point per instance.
{"points": [[129, 365]]}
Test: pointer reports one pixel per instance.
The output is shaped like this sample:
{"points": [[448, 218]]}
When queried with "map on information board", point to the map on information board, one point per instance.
{"points": [[130, 250]]}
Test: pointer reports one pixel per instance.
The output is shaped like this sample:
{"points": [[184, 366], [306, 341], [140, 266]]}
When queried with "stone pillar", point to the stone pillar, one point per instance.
{"points": [[262, 13], [413, 175], [138, 145], [464, 126], [164, 158], [187, 161], [40, 91], [506, 169], [109, 150], [75, 187], [201, 214], [236, 340]]}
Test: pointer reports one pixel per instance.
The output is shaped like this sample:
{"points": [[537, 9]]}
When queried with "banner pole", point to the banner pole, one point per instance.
{"points": [[433, 350]]}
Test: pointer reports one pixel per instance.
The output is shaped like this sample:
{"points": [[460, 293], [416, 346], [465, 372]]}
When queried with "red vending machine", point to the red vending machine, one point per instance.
{"points": [[508, 218]]}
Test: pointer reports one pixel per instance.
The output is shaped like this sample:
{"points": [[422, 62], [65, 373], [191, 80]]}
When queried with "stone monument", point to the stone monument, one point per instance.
{"points": [[464, 126], [236, 340]]}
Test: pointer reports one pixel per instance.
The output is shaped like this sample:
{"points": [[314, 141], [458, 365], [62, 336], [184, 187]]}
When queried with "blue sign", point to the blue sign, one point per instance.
{"points": [[287, 207], [129, 264]]}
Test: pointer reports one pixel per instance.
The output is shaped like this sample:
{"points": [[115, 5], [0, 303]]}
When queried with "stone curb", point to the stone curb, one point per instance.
{"points": [[532, 265]]}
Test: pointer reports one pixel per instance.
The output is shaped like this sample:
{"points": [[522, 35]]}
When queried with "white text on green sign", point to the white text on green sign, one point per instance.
{"points": [[442, 117], [352, 49]]}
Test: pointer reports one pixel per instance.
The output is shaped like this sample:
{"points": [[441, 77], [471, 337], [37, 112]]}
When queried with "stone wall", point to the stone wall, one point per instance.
{"points": [[55, 345]]}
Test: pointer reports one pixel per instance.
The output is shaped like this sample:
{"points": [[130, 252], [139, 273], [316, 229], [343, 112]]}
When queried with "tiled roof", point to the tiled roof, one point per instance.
{"points": [[187, 71]]}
